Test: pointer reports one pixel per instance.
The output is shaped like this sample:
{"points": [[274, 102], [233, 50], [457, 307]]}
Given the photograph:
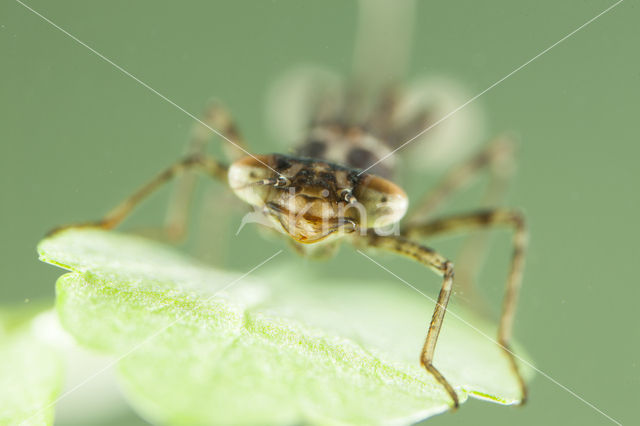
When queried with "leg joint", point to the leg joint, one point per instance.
{"points": [[447, 269], [517, 219]]}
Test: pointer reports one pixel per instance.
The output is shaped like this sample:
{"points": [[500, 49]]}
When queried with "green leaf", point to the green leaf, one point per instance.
{"points": [[30, 370], [269, 349]]}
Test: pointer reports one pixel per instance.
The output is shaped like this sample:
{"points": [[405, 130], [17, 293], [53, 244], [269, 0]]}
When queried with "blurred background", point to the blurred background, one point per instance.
{"points": [[78, 135]]}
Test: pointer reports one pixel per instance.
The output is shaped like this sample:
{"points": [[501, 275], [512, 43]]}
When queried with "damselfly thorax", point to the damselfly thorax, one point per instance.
{"points": [[350, 145]]}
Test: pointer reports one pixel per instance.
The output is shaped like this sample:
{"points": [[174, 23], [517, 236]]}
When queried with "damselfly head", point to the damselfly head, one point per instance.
{"points": [[311, 200]]}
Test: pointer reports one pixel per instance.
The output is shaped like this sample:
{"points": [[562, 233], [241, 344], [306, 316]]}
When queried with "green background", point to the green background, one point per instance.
{"points": [[78, 135]]}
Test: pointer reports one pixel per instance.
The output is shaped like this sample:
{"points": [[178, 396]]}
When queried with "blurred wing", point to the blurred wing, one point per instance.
{"points": [[383, 43], [307, 95], [300, 98], [381, 59], [424, 105]]}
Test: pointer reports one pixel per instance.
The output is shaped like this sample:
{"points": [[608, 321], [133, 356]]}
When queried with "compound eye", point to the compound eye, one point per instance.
{"points": [[244, 175], [385, 202]]}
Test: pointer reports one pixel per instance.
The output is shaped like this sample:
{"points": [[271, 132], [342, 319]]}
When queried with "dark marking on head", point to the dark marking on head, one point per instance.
{"points": [[354, 178], [282, 163], [360, 158], [328, 177]]}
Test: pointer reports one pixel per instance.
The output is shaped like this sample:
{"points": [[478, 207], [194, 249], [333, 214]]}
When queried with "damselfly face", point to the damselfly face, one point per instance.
{"points": [[311, 200]]}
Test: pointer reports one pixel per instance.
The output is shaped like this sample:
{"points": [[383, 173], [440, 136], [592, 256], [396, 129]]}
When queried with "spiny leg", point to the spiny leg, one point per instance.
{"points": [[497, 159], [484, 220], [122, 210], [497, 156], [442, 267], [215, 117]]}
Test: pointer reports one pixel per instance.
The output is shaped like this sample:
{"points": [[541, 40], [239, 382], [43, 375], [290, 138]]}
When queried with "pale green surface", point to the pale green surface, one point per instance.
{"points": [[269, 349], [30, 372]]}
